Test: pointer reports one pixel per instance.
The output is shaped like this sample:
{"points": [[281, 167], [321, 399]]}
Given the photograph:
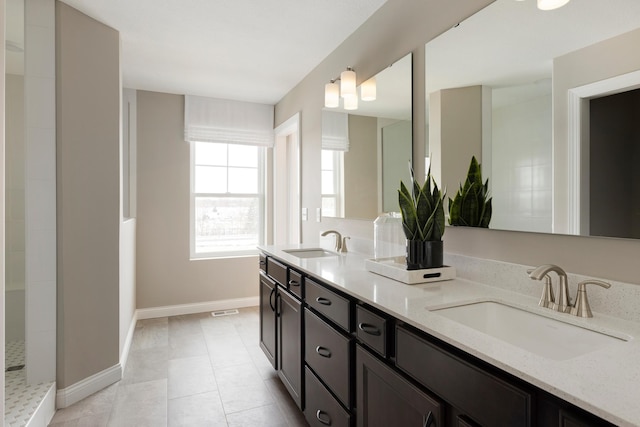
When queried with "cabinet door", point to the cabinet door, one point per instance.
{"points": [[290, 344], [387, 399], [268, 292]]}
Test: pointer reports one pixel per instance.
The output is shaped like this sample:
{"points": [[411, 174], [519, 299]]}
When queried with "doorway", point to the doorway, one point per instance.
{"points": [[286, 183]]}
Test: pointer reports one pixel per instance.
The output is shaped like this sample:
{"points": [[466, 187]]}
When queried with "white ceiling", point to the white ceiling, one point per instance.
{"points": [[247, 50]]}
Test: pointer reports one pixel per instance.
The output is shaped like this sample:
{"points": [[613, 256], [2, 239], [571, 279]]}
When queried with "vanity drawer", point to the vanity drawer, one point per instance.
{"points": [[321, 409], [262, 263], [277, 271], [328, 353], [482, 396], [329, 303], [295, 283], [372, 330]]}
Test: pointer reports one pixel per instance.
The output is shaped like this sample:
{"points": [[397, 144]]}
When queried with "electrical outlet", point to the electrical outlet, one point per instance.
{"points": [[318, 214], [305, 214]]}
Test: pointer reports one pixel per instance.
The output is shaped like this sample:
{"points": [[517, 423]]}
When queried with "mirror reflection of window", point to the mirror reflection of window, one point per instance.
{"points": [[332, 166]]}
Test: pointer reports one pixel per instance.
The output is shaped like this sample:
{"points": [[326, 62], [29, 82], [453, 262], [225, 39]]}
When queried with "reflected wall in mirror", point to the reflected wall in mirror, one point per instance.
{"points": [[366, 152], [15, 183], [524, 90]]}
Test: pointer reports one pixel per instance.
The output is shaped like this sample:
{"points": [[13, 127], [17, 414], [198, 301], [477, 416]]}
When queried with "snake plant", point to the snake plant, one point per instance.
{"points": [[422, 210], [470, 207]]}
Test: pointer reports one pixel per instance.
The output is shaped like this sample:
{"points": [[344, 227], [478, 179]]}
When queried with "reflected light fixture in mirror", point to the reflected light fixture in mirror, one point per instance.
{"points": [[348, 91]]}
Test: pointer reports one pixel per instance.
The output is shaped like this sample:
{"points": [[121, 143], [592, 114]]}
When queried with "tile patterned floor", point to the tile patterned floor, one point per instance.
{"points": [[21, 400], [193, 370]]}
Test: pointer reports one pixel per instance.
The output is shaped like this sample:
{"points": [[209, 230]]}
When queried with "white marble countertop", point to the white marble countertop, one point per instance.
{"points": [[605, 382]]}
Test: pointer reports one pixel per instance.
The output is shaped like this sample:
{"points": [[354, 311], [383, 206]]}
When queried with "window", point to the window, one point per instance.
{"points": [[227, 199], [332, 183]]}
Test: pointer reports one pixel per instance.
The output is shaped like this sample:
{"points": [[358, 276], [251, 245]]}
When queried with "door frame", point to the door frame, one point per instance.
{"points": [[286, 182]]}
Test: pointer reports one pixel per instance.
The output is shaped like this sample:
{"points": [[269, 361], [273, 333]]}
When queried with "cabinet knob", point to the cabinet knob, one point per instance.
{"points": [[323, 417]]}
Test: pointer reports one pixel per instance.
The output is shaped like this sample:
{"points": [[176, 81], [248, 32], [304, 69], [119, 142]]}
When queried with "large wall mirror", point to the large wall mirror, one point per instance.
{"points": [[549, 103], [366, 151]]}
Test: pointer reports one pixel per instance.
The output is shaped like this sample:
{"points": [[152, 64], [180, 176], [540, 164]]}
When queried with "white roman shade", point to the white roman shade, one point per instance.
{"points": [[335, 131], [229, 122]]}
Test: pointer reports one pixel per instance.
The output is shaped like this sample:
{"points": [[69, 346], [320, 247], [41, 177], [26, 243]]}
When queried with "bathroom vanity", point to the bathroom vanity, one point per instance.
{"points": [[356, 348]]}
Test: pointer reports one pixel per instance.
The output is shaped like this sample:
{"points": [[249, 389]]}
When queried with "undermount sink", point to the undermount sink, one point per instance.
{"points": [[538, 334], [310, 253]]}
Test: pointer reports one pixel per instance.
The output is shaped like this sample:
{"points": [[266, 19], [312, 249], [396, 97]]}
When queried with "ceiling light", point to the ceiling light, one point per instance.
{"points": [[551, 4], [368, 90]]}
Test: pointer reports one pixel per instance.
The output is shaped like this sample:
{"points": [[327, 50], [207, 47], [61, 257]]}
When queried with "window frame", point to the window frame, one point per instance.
{"points": [[261, 196], [338, 183]]}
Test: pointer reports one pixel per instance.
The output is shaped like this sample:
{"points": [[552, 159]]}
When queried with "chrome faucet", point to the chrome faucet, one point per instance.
{"points": [[341, 243], [563, 304]]}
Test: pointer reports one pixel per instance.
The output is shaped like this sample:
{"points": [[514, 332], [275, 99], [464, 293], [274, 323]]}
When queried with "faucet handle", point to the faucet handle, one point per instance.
{"points": [[581, 307], [343, 247], [547, 299]]}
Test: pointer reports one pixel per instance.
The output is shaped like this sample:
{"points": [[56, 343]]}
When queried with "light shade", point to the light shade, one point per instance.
{"points": [[351, 102], [368, 90], [551, 4], [348, 83], [331, 95]]}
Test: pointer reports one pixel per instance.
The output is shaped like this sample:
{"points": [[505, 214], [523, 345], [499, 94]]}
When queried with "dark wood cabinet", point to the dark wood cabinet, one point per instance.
{"points": [[385, 398], [461, 383], [396, 374], [289, 315], [268, 325], [329, 353], [321, 408]]}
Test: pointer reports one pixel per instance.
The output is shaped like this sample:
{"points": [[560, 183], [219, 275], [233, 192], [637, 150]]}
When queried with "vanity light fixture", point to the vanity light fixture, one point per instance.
{"points": [[368, 90], [347, 90], [332, 95], [551, 4]]}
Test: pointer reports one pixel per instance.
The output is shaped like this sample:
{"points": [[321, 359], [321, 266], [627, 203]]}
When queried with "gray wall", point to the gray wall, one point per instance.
{"points": [[403, 26], [88, 163], [165, 275]]}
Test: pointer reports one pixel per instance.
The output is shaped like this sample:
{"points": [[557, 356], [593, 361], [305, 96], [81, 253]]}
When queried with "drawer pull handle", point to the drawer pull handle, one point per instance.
{"points": [[323, 417], [262, 263], [369, 329], [428, 420], [294, 283], [273, 291], [323, 351], [323, 301]]}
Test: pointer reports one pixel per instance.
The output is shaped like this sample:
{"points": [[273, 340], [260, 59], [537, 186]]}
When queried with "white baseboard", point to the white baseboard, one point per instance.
{"points": [[85, 388], [200, 307], [124, 356]]}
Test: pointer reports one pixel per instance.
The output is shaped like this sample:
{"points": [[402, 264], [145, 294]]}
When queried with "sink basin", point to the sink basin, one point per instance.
{"points": [[538, 334], [310, 253]]}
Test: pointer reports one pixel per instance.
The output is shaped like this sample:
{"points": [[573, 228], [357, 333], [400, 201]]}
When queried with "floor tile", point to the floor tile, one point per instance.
{"points": [[245, 396], [140, 405], [203, 409], [264, 416], [192, 375], [193, 370]]}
